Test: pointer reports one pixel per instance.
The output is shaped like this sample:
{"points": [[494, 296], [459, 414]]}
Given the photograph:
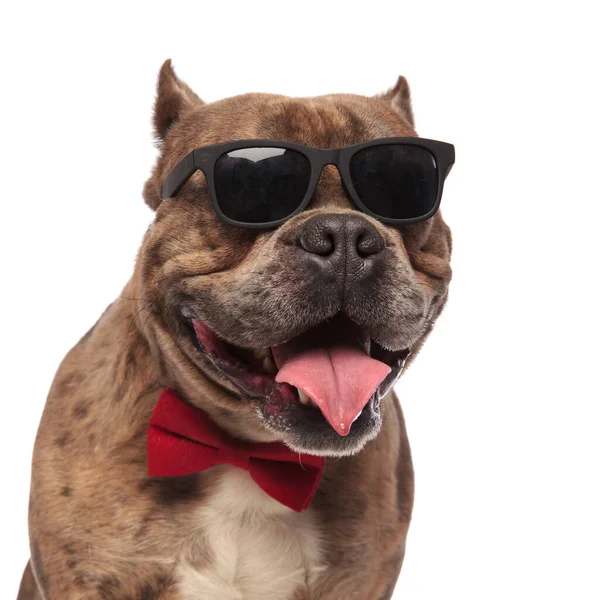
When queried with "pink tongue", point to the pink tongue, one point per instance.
{"points": [[340, 379]]}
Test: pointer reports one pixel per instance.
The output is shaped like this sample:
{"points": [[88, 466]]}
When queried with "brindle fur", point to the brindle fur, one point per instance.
{"points": [[99, 527]]}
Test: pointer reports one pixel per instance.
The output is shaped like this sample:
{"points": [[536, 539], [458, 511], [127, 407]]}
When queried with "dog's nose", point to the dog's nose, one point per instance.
{"points": [[335, 237]]}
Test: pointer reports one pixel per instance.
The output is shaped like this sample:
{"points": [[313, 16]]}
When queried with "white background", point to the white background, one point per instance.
{"points": [[502, 404]]}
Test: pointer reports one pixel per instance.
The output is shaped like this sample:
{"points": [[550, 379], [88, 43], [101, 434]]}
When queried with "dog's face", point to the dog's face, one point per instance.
{"points": [[235, 304]]}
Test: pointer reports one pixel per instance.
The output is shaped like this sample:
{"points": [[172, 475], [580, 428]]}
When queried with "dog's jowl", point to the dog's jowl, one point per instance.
{"points": [[227, 429]]}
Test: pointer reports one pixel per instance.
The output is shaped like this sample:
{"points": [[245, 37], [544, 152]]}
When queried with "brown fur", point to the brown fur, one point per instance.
{"points": [[99, 527]]}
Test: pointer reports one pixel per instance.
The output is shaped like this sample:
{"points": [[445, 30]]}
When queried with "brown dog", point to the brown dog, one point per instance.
{"points": [[99, 526]]}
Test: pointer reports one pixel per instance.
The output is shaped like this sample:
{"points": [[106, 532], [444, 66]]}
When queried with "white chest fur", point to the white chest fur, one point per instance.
{"points": [[258, 549]]}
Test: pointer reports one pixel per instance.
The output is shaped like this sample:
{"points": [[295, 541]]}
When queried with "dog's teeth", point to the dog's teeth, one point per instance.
{"points": [[269, 366], [262, 352], [304, 399]]}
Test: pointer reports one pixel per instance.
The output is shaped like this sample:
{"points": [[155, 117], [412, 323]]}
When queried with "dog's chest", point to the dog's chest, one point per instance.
{"points": [[253, 547]]}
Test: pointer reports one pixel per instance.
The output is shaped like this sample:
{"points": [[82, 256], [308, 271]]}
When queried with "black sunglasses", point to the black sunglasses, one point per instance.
{"points": [[262, 183]]}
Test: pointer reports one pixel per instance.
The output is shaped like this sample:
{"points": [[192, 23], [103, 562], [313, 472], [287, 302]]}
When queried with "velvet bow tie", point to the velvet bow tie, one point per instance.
{"points": [[183, 440]]}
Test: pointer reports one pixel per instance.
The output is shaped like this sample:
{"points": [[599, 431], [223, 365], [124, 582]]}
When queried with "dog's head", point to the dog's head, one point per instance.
{"points": [[330, 303]]}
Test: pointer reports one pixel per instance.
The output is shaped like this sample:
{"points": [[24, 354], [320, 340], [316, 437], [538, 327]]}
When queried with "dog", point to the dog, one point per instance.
{"points": [[209, 303]]}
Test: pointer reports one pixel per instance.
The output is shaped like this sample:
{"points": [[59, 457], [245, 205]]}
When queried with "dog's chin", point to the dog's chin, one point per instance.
{"points": [[284, 410], [305, 430]]}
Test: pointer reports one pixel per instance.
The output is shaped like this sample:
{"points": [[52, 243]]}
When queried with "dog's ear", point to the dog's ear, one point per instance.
{"points": [[399, 98], [173, 98]]}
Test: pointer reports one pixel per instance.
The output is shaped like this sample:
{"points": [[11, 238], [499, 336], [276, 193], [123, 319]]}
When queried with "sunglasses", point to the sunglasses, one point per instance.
{"points": [[262, 183]]}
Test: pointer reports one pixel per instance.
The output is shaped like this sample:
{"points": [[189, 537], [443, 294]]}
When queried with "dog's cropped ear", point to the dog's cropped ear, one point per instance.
{"points": [[399, 98], [173, 98]]}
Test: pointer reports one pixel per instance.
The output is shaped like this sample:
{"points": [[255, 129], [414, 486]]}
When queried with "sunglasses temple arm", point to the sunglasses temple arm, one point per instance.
{"points": [[178, 175]]}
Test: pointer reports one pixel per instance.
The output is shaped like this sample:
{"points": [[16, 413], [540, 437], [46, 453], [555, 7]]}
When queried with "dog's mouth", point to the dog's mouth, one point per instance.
{"points": [[332, 376]]}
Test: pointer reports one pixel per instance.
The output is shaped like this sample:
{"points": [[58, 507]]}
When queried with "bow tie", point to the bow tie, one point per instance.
{"points": [[183, 440]]}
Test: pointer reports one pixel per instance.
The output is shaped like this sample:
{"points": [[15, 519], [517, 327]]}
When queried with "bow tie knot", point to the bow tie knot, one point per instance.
{"points": [[183, 440], [233, 455]]}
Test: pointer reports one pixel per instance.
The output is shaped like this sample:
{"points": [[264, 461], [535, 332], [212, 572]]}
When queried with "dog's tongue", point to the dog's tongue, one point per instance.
{"points": [[333, 370]]}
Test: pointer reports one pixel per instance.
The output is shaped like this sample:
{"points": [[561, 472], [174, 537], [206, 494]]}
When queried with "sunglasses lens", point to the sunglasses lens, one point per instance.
{"points": [[395, 181], [260, 185]]}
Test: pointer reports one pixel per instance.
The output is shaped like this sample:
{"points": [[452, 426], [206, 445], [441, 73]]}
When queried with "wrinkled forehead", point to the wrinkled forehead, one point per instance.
{"points": [[323, 122]]}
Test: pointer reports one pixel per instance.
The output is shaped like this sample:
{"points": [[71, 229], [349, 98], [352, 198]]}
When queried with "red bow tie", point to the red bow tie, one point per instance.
{"points": [[183, 440]]}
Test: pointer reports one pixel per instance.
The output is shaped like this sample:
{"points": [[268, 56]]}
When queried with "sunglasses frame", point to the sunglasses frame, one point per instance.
{"points": [[204, 159]]}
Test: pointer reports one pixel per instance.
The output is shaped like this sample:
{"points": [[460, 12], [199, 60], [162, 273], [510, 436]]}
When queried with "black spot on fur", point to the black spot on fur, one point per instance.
{"points": [[64, 385], [69, 548], [66, 491], [80, 411], [63, 440], [148, 592], [71, 563], [152, 591], [108, 587], [171, 491], [163, 581]]}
